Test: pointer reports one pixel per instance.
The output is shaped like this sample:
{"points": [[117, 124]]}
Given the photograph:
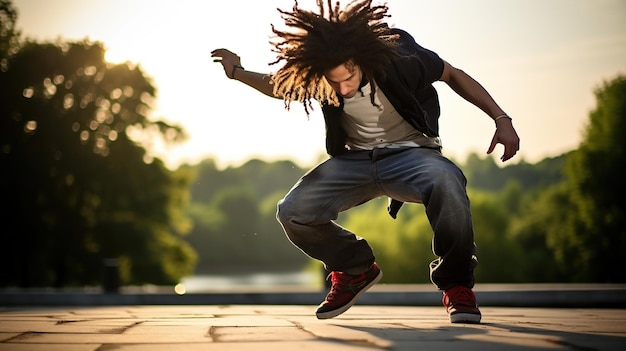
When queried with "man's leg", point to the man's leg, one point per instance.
{"points": [[307, 214], [424, 175], [308, 211]]}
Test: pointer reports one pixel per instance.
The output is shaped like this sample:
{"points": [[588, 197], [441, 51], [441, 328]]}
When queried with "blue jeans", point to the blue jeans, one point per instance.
{"points": [[420, 175]]}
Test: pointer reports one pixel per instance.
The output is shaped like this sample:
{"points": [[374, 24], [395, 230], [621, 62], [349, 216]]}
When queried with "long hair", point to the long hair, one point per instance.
{"points": [[314, 43]]}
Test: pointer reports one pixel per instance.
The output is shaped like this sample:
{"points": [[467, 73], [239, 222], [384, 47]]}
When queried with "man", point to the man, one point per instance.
{"points": [[381, 111]]}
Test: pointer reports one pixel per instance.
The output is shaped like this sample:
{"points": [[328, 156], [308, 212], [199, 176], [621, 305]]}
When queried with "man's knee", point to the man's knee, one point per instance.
{"points": [[288, 211], [282, 212]]}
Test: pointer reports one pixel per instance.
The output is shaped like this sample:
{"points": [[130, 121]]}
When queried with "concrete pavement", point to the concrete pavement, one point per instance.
{"points": [[294, 327]]}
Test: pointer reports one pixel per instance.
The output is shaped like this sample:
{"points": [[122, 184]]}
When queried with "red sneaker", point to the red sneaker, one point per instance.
{"points": [[345, 290], [460, 303]]}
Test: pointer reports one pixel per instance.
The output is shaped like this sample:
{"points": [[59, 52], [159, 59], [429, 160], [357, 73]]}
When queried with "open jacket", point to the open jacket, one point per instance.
{"points": [[407, 83]]}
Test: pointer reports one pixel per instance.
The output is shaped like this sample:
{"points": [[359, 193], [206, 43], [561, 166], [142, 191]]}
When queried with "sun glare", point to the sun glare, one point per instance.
{"points": [[116, 55]]}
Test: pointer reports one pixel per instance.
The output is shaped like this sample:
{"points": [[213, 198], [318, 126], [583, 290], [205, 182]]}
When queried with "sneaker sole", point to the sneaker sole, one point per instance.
{"points": [[465, 318], [342, 309]]}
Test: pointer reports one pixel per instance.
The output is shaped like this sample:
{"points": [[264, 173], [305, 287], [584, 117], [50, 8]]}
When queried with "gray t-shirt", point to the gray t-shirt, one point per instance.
{"points": [[368, 126]]}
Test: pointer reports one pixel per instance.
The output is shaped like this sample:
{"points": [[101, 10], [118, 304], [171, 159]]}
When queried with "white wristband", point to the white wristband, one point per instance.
{"points": [[502, 116]]}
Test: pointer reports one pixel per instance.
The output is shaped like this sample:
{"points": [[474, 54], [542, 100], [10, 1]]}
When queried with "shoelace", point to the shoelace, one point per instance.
{"points": [[338, 280]]}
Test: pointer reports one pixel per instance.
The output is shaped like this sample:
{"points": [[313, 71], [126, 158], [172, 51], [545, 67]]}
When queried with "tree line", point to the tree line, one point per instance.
{"points": [[78, 187]]}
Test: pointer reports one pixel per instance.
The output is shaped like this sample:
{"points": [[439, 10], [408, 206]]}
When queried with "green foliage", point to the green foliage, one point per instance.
{"points": [[485, 174], [496, 250], [9, 35], [538, 229], [75, 188], [234, 214], [237, 230], [260, 177], [401, 246], [597, 189], [575, 231]]}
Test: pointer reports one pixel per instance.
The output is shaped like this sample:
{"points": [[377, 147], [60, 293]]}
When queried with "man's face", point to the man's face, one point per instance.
{"points": [[345, 79]]}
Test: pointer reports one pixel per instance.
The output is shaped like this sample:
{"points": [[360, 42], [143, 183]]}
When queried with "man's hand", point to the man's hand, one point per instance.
{"points": [[507, 136], [229, 60]]}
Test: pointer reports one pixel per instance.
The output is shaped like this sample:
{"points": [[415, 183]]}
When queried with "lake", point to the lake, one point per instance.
{"points": [[251, 281]]}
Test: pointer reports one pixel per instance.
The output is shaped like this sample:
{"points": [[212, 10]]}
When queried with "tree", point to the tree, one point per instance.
{"points": [[597, 239], [75, 187], [536, 229]]}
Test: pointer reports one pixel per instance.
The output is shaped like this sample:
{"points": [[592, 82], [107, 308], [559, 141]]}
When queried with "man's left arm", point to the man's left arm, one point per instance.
{"points": [[472, 91]]}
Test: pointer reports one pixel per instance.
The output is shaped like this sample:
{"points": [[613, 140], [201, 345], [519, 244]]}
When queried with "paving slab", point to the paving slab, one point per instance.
{"points": [[295, 327]]}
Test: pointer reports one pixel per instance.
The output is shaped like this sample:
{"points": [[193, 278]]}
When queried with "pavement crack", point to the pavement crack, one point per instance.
{"points": [[355, 342], [211, 333], [63, 321], [16, 337], [23, 337], [124, 329]]}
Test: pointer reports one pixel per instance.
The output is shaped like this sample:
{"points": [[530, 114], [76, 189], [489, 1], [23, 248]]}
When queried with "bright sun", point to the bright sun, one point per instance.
{"points": [[116, 55]]}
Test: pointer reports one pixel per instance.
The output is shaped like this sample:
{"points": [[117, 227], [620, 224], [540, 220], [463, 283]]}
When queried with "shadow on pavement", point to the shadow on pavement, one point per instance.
{"points": [[490, 336]]}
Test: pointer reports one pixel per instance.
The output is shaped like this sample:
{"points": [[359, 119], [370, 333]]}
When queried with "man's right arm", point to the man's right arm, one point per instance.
{"points": [[233, 70]]}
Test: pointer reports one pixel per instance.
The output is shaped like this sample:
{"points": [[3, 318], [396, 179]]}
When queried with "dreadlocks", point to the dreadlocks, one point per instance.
{"points": [[322, 41]]}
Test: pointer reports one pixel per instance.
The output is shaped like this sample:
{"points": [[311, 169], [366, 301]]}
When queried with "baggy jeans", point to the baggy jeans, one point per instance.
{"points": [[419, 175]]}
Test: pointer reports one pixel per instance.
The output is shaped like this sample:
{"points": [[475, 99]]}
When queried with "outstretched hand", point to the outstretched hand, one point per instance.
{"points": [[228, 59], [507, 136]]}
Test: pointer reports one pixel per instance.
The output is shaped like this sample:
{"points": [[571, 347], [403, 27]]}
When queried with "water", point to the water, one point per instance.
{"points": [[261, 280]]}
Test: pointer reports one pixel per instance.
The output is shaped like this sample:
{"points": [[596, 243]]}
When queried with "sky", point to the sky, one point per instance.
{"points": [[541, 60]]}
